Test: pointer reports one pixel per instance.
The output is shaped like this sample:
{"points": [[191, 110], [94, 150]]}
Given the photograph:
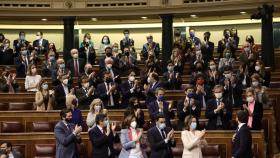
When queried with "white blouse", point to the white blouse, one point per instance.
{"points": [[32, 81], [135, 152]]}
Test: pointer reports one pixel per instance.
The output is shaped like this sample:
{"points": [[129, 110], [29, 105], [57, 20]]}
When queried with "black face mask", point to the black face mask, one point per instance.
{"points": [[109, 54], [226, 36], [67, 120], [199, 68], [87, 44], [126, 53], [108, 80], [206, 38], [89, 71]]}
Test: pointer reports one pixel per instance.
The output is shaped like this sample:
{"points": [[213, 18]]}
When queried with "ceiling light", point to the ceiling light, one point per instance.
{"points": [[93, 19], [44, 19], [193, 16], [144, 17], [243, 13]]}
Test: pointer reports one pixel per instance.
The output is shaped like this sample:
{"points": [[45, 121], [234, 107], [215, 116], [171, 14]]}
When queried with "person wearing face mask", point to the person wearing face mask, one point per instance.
{"points": [[172, 79], [131, 88], [32, 79], [131, 139], [150, 45], [108, 54], [87, 41], [213, 74], [8, 82], [134, 108], [226, 43], [260, 90], [197, 70], [60, 70], [6, 148], [109, 66], [2, 38], [85, 94], [193, 139], [41, 45], [202, 90], [102, 137], [96, 107], [150, 88], [49, 66], [127, 42], [87, 51], [115, 51], [161, 106], [76, 64], [218, 111], [161, 139], [207, 48], [233, 91], [22, 62], [227, 74], [128, 62], [19, 43], [108, 92], [188, 106], [263, 73], [177, 59], [72, 104], [105, 42], [92, 75], [67, 136], [44, 98], [6, 53], [254, 109], [192, 42], [60, 91], [243, 76], [227, 60]]}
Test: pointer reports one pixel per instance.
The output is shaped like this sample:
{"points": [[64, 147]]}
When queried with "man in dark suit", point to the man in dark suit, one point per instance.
{"points": [[226, 43], [202, 90], [109, 54], [172, 79], [76, 65], [161, 106], [161, 139], [85, 94], [102, 137], [150, 45], [218, 111], [87, 52], [61, 91], [127, 42], [242, 139], [109, 62], [128, 62], [67, 136], [22, 62], [153, 84], [131, 88], [41, 45], [8, 149], [207, 48], [108, 92], [233, 92], [6, 53], [19, 43]]}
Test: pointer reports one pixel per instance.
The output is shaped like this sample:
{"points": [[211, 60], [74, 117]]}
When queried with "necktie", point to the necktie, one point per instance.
{"points": [[162, 134], [76, 67]]}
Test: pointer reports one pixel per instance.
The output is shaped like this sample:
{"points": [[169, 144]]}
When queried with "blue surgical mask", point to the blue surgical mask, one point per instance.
{"points": [[193, 125], [192, 34], [161, 126], [161, 98], [106, 123]]}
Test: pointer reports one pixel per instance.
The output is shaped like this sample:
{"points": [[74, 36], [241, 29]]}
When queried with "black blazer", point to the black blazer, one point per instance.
{"points": [[91, 54], [60, 97], [150, 96], [83, 99], [242, 143], [257, 116], [160, 149], [21, 67], [45, 45], [71, 67], [7, 57], [174, 83], [207, 52], [126, 93], [226, 114], [101, 142], [101, 92], [154, 110], [236, 94]]}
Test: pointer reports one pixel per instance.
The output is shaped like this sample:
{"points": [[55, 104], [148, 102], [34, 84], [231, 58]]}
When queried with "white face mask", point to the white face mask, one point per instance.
{"points": [[218, 95], [97, 108], [65, 81], [149, 80], [105, 41], [38, 37], [45, 86], [86, 85], [109, 66], [133, 124], [126, 35], [75, 56], [131, 78], [255, 83], [250, 99], [227, 75], [257, 68], [170, 68], [213, 67], [246, 49]]}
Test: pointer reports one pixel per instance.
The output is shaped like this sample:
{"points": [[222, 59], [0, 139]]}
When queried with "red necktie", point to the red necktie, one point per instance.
{"points": [[76, 67]]}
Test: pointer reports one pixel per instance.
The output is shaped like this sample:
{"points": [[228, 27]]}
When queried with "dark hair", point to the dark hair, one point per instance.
{"points": [[242, 116], [107, 48], [227, 68], [128, 119], [1, 34], [188, 121], [125, 31], [225, 31], [41, 33], [99, 118], [9, 144], [103, 38], [160, 115], [159, 89], [21, 32], [207, 33], [106, 73], [132, 100], [63, 112], [155, 76]]}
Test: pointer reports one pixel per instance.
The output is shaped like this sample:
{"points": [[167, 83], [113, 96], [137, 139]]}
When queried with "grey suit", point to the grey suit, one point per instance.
{"points": [[66, 141], [127, 144]]}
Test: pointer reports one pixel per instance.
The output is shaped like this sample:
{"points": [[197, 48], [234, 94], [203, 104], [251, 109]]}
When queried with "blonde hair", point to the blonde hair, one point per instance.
{"points": [[95, 102], [69, 101]]}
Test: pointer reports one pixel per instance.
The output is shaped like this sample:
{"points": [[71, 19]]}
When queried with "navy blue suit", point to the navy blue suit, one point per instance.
{"points": [[127, 94], [101, 92], [242, 143], [150, 96]]}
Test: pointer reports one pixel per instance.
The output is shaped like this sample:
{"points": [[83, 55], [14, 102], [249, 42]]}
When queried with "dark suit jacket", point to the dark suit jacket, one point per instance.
{"points": [[154, 110], [125, 67], [257, 116], [160, 149], [84, 100], [101, 142], [7, 57], [126, 43], [71, 66], [225, 114], [101, 92], [174, 83], [150, 96], [18, 44], [242, 143], [145, 50], [236, 93], [206, 97], [45, 45], [91, 54], [115, 72], [60, 97], [126, 93], [66, 141], [21, 68], [102, 65], [207, 52]]}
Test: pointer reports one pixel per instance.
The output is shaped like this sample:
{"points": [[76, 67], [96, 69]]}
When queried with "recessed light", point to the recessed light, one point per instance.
{"points": [[193, 16], [44, 19], [243, 13], [93, 19], [144, 17]]}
